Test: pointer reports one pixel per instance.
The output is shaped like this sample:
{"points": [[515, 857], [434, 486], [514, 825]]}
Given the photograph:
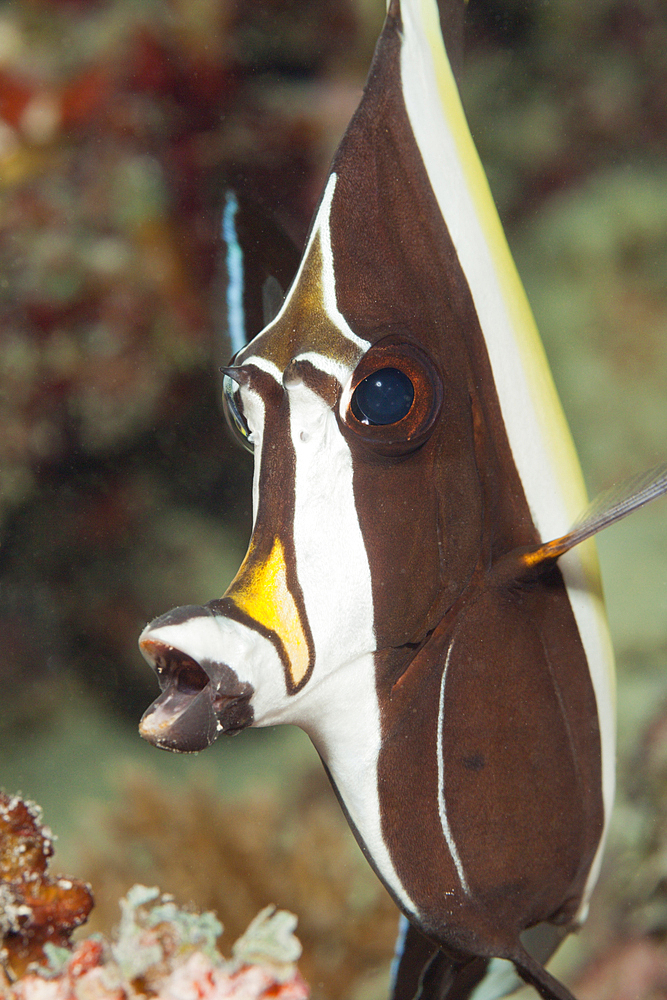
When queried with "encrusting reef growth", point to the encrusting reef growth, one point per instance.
{"points": [[159, 950], [36, 909], [234, 856]]}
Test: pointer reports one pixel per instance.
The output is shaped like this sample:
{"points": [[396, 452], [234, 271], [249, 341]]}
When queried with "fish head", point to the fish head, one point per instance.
{"points": [[382, 477], [366, 513]]}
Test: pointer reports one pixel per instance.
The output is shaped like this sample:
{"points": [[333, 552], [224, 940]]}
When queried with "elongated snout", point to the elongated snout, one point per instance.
{"points": [[201, 695]]}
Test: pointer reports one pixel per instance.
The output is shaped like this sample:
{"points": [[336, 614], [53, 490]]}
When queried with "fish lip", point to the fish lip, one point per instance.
{"points": [[198, 700]]}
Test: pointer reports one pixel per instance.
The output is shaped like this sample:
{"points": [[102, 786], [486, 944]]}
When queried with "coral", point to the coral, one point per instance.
{"points": [[236, 856], [169, 953], [36, 910], [158, 949]]}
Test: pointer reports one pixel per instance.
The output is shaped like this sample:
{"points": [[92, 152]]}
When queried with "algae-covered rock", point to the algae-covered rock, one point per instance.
{"points": [[37, 909], [159, 949]]}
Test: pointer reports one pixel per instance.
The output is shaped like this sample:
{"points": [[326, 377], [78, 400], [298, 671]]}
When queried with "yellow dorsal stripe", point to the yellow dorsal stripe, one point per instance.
{"points": [[260, 590]]}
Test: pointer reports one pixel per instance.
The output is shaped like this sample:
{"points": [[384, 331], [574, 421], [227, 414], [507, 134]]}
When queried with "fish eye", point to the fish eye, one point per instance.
{"points": [[394, 397], [384, 397], [235, 419]]}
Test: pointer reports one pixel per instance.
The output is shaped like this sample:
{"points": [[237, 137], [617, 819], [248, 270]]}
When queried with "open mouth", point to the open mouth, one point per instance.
{"points": [[198, 700]]}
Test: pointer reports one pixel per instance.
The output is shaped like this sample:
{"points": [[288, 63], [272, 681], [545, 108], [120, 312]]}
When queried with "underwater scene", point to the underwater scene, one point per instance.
{"points": [[124, 125]]}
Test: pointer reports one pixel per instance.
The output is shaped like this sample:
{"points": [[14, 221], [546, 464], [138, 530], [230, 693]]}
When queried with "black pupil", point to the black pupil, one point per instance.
{"points": [[384, 397]]}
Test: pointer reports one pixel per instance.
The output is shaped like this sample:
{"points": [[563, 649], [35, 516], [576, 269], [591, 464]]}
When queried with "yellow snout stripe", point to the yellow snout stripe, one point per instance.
{"points": [[260, 590]]}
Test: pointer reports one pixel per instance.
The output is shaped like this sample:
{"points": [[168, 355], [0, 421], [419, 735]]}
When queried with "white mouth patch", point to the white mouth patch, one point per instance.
{"points": [[219, 646]]}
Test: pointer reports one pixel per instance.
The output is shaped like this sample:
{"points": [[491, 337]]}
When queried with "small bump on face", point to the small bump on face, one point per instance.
{"points": [[292, 378]]}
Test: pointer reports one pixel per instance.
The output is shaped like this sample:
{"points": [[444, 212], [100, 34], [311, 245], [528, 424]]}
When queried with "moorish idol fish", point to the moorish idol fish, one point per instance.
{"points": [[414, 596]]}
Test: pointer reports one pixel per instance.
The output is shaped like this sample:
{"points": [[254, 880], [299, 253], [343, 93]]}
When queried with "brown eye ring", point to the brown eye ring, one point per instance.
{"points": [[411, 430]]}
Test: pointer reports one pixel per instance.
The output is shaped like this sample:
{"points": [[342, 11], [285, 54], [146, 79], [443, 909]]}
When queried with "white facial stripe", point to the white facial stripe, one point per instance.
{"points": [[327, 365], [537, 432], [328, 276], [442, 805], [331, 560], [343, 717], [321, 232], [265, 365], [344, 725]]}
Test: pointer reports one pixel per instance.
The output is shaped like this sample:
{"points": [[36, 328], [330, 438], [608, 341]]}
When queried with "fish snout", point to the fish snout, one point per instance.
{"points": [[199, 699]]}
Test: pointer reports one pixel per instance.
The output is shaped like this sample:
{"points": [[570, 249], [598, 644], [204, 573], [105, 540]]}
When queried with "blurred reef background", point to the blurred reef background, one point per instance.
{"points": [[121, 124]]}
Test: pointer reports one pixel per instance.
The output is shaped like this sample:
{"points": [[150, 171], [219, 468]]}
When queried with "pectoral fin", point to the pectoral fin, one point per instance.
{"points": [[608, 507]]}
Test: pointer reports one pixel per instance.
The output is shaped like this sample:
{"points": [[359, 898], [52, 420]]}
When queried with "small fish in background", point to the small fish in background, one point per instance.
{"points": [[414, 596]]}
